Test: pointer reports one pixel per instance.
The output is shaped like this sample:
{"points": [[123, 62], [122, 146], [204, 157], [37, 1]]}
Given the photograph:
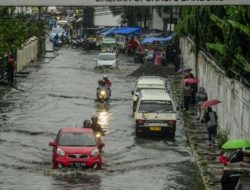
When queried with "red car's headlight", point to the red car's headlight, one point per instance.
{"points": [[95, 152], [60, 152]]}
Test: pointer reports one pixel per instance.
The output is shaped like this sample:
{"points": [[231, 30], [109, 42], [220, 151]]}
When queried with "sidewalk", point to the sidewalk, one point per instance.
{"points": [[197, 135]]}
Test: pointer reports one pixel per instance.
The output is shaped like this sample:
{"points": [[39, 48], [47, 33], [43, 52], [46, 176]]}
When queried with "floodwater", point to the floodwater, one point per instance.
{"points": [[61, 93]]}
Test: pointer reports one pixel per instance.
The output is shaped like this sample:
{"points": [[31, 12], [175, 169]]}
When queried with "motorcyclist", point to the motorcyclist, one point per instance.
{"points": [[86, 124], [95, 125], [56, 38], [107, 83]]}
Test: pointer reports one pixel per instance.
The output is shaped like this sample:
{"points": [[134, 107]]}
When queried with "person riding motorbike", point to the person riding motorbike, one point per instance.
{"points": [[107, 83], [95, 125], [103, 91], [97, 130], [86, 124], [56, 38]]}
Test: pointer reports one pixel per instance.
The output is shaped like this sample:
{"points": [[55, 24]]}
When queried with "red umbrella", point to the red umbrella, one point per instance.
{"points": [[191, 81], [210, 103]]}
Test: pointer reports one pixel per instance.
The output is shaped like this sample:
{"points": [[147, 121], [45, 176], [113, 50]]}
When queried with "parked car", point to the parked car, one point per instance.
{"points": [[147, 82], [76, 147], [155, 114], [107, 60], [54, 31]]}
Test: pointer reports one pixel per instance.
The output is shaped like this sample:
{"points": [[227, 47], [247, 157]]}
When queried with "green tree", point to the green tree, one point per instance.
{"points": [[223, 32]]}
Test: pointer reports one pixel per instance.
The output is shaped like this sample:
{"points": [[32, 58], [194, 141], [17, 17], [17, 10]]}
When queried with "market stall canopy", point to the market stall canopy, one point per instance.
{"points": [[109, 31], [161, 40], [103, 30], [127, 30]]}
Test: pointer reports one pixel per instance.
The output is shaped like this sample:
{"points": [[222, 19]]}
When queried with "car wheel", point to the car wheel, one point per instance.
{"points": [[137, 133]]}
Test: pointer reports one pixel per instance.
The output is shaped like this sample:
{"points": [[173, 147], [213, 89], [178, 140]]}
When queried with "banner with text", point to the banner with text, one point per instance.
{"points": [[121, 2]]}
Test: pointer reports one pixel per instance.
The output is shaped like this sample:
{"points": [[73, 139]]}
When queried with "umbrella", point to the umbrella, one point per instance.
{"points": [[191, 81], [236, 144], [210, 103], [184, 70]]}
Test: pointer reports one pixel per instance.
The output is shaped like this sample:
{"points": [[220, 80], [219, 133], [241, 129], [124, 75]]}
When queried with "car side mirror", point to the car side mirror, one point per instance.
{"points": [[117, 59], [137, 94], [52, 143], [132, 92], [95, 59]]}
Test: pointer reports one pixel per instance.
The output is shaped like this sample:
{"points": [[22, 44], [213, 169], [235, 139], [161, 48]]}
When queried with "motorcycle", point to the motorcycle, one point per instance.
{"points": [[58, 44], [100, 143], [103, 94]]}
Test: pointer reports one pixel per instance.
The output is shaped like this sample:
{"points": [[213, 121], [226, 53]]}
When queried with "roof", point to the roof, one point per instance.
{"points": [[153, 94], [127, 30], [151, 80], [107, 53], [151, 86], [76, 130]]}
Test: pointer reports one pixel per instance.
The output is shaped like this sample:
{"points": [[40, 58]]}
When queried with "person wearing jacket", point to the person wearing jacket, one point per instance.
{"points": [[210, 118], [200, 98]]}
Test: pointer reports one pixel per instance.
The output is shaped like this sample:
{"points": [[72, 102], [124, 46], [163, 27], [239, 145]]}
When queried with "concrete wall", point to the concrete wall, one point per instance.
{"points": [[27, 53], [234, 111]]}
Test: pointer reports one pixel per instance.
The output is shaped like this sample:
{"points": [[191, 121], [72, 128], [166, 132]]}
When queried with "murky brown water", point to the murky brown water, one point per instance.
{"points": [[62, 93]]}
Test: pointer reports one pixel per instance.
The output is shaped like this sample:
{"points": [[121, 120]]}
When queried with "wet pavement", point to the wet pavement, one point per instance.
{"points": [[60, 93]]}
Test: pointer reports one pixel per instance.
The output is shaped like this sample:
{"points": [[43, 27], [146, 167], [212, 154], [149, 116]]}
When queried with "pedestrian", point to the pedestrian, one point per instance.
{"points": [[223, 158], [188, 75], [187, 91], [200, 98], [11, 68], [210, 118]]}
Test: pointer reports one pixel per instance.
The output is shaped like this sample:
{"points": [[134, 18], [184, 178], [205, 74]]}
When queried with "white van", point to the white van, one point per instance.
{"points": [[147, 82], [155, 113]]}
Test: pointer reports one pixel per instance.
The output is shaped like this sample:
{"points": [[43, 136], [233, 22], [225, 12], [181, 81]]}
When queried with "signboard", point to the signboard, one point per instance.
{"points": [[120, 2]]}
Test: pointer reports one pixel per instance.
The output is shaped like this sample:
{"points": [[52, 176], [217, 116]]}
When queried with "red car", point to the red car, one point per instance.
{"points": [[76, 147]]}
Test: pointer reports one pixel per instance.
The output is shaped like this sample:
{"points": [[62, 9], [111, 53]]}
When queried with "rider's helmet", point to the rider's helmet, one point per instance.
{"points": [[105, 77], [94, 118], [86, 123]]}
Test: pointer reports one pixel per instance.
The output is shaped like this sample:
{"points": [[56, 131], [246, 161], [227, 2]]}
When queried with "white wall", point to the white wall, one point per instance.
{"points": [[234, 111], [27, 53]]}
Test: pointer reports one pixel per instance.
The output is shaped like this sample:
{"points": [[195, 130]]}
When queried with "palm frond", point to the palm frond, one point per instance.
{"points": [[219, 22], [220, 48], [241, 27], [243, 61]]}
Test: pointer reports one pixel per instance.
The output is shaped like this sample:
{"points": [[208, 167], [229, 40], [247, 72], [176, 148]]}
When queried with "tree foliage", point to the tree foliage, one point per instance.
{"points": [[223, 31], [16, 29]]}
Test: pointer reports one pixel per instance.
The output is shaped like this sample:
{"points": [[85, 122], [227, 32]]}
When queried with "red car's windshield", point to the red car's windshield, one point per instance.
{"points": [[77, 139]]}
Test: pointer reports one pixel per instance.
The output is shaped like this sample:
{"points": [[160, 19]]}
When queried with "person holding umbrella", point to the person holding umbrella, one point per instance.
{"points": [[210, 118], [187, 91]]}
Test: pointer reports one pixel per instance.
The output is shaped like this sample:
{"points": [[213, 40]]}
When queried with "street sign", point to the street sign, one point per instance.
{"points": [[120, 2]]}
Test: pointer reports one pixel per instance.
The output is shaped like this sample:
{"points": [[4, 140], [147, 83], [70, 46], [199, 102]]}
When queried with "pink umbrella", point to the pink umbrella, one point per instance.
{"points": [[210, 103], [191, 81]]}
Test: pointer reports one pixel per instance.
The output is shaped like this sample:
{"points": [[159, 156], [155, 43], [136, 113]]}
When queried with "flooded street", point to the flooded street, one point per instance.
{"points": [[61, 93]]}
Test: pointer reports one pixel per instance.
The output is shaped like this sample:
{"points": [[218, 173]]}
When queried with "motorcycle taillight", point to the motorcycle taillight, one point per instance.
{"points": [[139, 121]]}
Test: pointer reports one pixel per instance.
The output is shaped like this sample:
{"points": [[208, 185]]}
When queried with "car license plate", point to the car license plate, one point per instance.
{"points": [[78, 164], [155, 128]]}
